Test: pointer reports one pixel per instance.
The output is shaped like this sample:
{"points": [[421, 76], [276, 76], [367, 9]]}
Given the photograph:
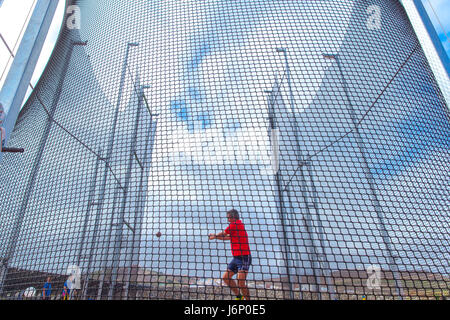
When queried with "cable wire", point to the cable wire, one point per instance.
{"points": [[438, 20], [11, 52], [76, 138], [359, 122]]}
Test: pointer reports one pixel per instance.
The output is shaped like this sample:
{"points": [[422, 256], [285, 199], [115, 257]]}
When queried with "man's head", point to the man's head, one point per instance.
{"points": [[49, 279], [232, 215]]}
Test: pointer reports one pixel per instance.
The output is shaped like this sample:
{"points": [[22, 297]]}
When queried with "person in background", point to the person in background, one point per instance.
{"points": [[65, 294], [47, 290]]}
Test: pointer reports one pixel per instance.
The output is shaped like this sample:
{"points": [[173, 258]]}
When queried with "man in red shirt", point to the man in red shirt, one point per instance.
{"points": [[242, 258]]}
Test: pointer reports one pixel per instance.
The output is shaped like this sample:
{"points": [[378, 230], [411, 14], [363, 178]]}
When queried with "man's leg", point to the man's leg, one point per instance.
{"points": [[228, 279], [242, 277]]}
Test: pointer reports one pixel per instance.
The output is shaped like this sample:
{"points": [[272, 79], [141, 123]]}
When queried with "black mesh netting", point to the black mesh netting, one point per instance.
{"points": [[323, 126]]}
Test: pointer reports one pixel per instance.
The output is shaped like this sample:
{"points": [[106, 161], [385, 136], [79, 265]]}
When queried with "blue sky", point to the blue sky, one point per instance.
{"points": [[439, 13]]}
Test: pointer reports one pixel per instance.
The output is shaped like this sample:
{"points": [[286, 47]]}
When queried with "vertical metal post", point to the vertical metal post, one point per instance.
{"points": [[137, 223], [310, 229], [370, 180], [322, 256], [118, 236], [12, 244], [88, 209], [104, 261], [304, 187], [91, 202], [434, 37], [119, 231], [288, 75], [109, 152], [281, 208], [295, 128], [295, 262], [25, 60]]}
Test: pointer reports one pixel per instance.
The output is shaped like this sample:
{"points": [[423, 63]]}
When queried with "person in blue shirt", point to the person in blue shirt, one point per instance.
{"points": [[47, 290], [66, 290]]}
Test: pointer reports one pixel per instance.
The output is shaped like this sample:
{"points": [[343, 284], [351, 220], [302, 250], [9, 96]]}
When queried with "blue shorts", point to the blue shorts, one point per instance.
{"points": [[240, 263]]}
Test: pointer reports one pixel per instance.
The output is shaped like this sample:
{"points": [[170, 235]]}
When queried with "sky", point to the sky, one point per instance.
{"points": [[15, 13], [14, 16], [439, 13]]}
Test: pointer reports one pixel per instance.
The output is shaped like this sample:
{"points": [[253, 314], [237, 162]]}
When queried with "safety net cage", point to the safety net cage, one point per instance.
{"points": [[320, 122]]}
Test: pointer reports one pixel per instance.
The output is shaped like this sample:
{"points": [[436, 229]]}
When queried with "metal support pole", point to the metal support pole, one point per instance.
{"points": [[119, 231], [138, 218], [370, 180], [288, 75], [91, 203], [109, 152], [104, 262], [304, 187], [311, 230], [282, 215], [438, 48], [25, 60], [12, 244], [118, 237], [322, 256], [88, 209], [295, 262], [280, 206]]}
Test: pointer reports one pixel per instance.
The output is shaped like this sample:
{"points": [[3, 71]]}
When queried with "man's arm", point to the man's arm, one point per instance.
{"points": [[219, 236]]}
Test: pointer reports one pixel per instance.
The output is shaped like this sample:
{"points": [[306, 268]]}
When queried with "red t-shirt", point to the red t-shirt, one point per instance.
{"points": [[239, 239]]}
